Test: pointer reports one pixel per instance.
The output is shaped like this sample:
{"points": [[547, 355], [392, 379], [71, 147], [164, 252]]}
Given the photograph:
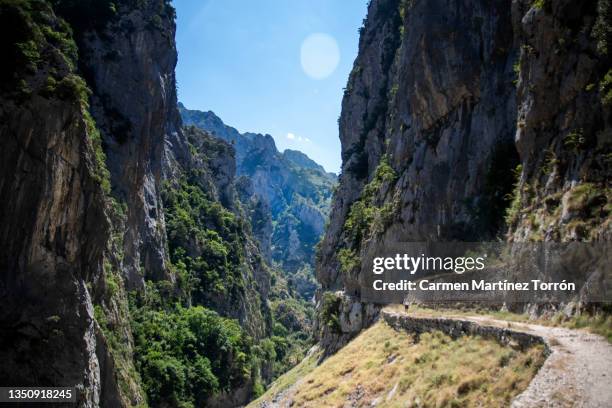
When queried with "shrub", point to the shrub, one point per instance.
{"points": [[73, 87], [513, 211], [61, 38], [517, 71], [384, 173], [330, 311], [550, 162], [29, 51], [359, 220], [112, 283], [363, 212], [602, 30], [348, 260], [588, 198], [575, 140], [100, 172]]}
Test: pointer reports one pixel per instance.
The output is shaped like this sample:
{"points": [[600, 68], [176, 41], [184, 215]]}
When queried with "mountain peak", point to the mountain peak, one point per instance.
{"points": [[244, 142], [301, 159], [295, 188]]}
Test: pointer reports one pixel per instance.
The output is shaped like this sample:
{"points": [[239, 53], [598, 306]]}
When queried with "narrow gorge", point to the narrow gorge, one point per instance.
{"points": [[153, 255]]}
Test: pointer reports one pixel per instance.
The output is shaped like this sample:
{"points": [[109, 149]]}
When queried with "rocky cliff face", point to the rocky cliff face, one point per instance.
{"points": [[94, 161], [129, 64], [209, 233], [294, 189], [433, 127], [563, 191], [55, 220]]}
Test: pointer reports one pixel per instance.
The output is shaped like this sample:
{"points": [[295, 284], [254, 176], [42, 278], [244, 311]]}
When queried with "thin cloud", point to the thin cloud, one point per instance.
{"points": [[293, 136]]}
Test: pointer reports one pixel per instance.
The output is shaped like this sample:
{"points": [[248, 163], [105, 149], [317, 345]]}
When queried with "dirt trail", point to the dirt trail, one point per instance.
{"points": [[577, 373]]}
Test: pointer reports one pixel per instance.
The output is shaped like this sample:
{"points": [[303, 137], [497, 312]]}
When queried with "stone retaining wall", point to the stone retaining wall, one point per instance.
{"points": [[456, 328]]}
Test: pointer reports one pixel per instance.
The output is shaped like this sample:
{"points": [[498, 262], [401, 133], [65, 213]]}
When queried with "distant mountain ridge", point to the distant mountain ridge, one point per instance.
{"points": [[297, 190], [300, 159], [243, 142]]}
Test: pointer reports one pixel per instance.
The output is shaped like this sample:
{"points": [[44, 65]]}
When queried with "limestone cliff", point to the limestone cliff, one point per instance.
{"points": [[129, 64], [94, 161], [295, 190], [563, 191], [235, 284], [55, 215], [444, 101]]}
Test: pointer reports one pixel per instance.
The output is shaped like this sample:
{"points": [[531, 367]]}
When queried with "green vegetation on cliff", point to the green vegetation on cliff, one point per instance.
{"points": [[214, 235], [186, 355], [366, 217], [291, 336], [295, 190]]}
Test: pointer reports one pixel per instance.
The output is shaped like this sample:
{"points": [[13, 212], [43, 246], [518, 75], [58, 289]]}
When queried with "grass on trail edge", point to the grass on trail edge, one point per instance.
{"points": [[388, 368]]}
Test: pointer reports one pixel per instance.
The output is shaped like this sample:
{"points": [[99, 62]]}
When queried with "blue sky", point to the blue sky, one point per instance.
{"points": [[247, 62]]}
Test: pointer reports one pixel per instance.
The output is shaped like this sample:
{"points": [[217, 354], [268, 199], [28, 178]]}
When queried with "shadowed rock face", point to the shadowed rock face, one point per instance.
{"points": [[48, 331], [296, 190], [429, 122], [86, 149], [129, 65], [564, 146], [54, 227]]}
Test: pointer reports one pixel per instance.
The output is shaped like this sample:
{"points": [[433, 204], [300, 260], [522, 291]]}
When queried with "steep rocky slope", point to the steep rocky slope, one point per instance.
{"points": [[128, 61], [209, 239], [56, 218], [296, 190], [446, 104], [564, 189], [127, 250]]}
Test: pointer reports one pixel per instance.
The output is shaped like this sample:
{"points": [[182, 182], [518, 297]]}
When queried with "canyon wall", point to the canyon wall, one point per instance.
{"points": [[96, 230], [468, 121], [293, 190]]}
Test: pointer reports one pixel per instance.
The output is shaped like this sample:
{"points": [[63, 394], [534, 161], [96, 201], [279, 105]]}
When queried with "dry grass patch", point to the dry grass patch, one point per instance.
{"points": [[394, 370]]}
